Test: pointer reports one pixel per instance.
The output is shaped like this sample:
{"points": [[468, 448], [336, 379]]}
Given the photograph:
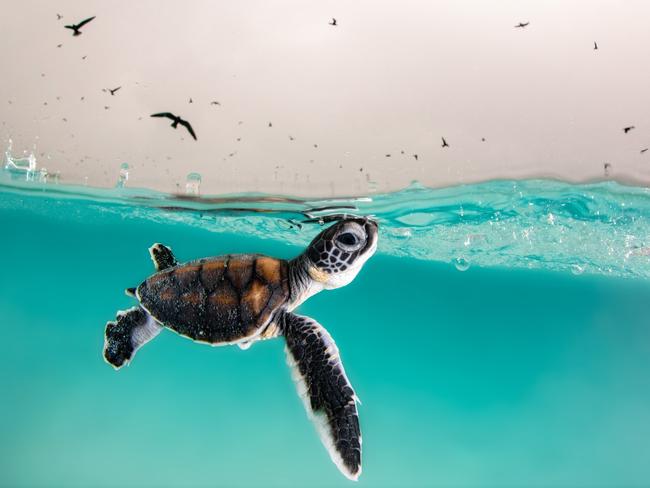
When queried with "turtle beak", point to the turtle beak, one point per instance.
{"points": [[372, 231], [371, 225]]}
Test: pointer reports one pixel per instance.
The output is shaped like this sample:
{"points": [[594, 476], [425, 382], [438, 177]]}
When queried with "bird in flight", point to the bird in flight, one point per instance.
{"points": [[644, 150], [177, 120], [76, 27], [415, 156], [595, 45], [214, 103], [333, 23], [59, 16], [628, 128], [521, 25], [607, 167], [112, 92], [444, 143]]}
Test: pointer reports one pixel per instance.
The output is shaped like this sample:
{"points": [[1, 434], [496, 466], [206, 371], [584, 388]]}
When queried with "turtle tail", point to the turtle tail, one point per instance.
{"points": [[131, 330]]}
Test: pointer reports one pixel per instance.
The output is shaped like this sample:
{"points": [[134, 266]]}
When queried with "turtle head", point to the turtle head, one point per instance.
{"points": [[338, 253]]}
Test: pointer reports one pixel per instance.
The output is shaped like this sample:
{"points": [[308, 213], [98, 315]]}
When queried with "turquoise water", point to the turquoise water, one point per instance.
{"points": [[499, 337]]}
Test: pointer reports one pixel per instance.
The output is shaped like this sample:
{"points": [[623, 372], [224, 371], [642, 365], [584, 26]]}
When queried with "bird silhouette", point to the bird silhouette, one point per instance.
{"points": [[177, 120], [214, 103], [76, 27], [628, 128], [444, 143], [415, 156], [59, 16], [644, 150], [112, 92], [521, 25], [333, 23], [595, 45], [607, 167]]}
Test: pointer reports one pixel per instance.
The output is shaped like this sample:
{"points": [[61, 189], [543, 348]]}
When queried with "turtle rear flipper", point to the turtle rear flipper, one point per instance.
{"points": [[162, 257], [325, 390], [133, 329]]}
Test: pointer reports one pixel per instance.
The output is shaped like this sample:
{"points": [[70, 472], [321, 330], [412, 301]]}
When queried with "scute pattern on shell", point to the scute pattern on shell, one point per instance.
{"points": [[217, 300]]}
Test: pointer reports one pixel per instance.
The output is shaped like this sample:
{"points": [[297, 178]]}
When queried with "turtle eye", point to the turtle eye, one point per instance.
{"points": [[348, 241], [347, 238]]}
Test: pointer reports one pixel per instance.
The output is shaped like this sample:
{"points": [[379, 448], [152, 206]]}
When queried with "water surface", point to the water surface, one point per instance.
{"points": [[498, 338]]}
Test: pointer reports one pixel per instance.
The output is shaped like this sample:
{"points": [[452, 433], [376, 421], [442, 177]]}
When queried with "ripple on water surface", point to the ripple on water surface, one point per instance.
{"points": [[600, 228]]}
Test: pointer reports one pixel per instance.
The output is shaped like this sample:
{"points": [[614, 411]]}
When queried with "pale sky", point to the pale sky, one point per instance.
{"points": [[390, 77]]}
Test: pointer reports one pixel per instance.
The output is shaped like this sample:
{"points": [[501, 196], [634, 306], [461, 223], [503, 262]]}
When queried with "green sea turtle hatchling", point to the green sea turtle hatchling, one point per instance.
{"points": [[243, 298]]}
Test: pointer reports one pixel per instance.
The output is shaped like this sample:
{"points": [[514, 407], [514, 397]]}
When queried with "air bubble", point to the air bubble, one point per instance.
{"points": [[403, 232], [193, 184], [42, 175], [474, 239], [25, 165], [123, 176], [461, 264], [576, 269]]}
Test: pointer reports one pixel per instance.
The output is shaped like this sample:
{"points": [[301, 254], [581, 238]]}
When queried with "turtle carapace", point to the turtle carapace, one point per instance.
{"points": [[242, 298]]}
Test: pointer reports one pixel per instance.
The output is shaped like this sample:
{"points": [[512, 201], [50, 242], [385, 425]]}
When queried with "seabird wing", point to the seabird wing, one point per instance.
{"points": [[84, 22], [325, 390], [169, 115], [187, 125]]}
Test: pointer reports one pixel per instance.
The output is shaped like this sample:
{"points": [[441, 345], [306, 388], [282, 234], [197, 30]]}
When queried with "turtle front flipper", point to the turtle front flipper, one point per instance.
{"points": [[162, 257], [122, 339], [325, 390]]}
